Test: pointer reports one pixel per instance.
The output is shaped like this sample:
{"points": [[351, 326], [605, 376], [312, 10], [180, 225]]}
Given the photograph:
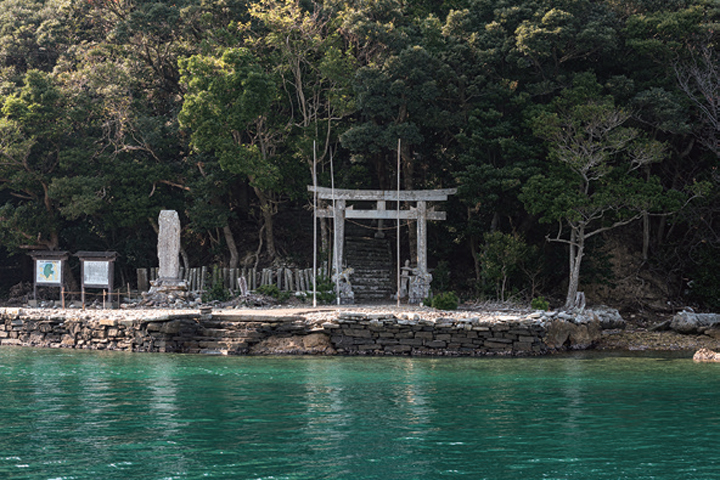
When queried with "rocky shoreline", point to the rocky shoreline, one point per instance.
{"points": [[641, 339], [353, 330]]}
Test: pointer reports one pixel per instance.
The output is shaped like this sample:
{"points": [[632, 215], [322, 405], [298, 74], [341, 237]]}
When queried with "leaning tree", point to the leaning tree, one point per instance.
{"points": [[593, 181]]}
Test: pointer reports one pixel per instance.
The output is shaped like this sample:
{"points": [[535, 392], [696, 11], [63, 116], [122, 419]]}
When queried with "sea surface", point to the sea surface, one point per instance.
{"points": [[110, 415]]}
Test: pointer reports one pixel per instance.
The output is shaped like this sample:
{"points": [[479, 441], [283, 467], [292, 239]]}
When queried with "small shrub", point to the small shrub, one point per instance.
{"points": [[218, 292], [270, 290], [273, 291], [445, 301], [325, 290], [539, 303]]}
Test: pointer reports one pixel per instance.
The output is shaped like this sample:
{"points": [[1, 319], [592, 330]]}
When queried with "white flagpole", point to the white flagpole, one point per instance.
{"points": [[336, 266], [398, 224], [314, 227]]}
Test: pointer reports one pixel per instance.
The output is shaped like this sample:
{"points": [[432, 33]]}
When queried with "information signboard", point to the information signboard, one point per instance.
{"points": [[49, 266], [96, 273], [48, 272]]}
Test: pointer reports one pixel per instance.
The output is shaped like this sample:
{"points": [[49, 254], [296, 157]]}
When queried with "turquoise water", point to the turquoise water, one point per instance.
{"points": [[102, 415]]}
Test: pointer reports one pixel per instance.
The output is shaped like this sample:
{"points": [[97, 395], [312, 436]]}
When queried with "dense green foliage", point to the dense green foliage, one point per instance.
{"points": [[445, 301], [217, 292], [539, 303], [564, 124]]}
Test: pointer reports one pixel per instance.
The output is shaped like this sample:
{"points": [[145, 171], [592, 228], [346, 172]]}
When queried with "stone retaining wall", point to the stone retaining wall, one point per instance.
{"points": [[163, 334], [360, 334], [180, 333], [346, 334]]}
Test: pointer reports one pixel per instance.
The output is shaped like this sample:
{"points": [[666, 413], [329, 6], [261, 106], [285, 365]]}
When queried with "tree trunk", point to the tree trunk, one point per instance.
{"points": [[185, 259], [267, 212], [646, 224], [503, 284], [54, 242], [577, 250], [232, 247], [646, 235], [474, 245]]}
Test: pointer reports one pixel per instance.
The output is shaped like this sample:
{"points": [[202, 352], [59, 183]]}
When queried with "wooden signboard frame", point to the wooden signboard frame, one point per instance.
{"points": [[96, 271], [49, 270]]}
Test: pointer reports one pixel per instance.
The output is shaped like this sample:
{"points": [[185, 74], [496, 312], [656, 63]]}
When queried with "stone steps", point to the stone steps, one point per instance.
{"points": [[371, 259]]}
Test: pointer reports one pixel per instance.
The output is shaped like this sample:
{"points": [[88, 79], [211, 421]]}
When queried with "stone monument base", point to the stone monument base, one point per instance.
{"points": [[168, 285], [166, 290]]}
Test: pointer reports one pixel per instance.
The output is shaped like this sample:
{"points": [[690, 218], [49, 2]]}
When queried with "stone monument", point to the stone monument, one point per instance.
{"points": [[419, 287], [168, 247], [168, 280]]}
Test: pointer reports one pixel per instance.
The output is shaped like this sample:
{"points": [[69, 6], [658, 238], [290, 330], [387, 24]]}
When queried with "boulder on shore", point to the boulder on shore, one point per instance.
{"points": [[706, 355], [609, 318], [565, 334], [690, 322]]}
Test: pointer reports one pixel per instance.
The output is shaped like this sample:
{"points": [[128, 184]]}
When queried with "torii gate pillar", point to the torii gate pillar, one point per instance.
{"points": [[420, 284], [421, 260]]}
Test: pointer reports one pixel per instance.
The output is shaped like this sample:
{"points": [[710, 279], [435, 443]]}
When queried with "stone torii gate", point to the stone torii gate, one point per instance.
{"points": [[420, 286]]}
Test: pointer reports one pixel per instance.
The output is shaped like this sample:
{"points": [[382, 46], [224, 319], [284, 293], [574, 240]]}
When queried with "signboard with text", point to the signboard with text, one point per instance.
{"points": [[96, 273]]}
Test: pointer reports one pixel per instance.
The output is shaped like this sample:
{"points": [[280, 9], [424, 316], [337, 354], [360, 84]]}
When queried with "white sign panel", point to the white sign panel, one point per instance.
{"points": [[48, 272], [96, 273]]}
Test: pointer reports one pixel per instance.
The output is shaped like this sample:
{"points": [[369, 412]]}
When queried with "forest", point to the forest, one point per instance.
{"points": [[582, 135]]}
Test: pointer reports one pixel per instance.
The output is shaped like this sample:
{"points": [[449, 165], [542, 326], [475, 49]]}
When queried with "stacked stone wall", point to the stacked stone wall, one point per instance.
{"points": [[359, 334], [346, 333], [162, 334], [179, 333]]}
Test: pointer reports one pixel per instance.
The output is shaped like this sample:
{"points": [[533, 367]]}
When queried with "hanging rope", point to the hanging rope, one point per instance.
{"points": [[405, 224]]}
